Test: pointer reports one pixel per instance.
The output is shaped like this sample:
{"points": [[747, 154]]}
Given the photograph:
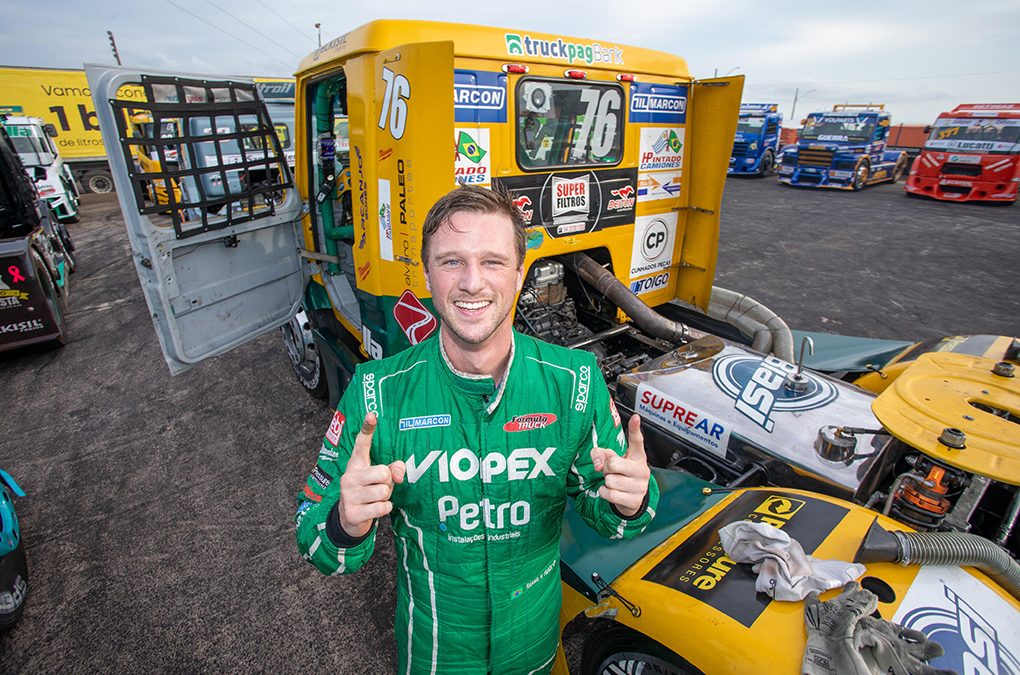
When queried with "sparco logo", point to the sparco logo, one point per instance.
{"points": [[368, 385], [581, 402], [757, 387], [22, 326], [530, 422]]}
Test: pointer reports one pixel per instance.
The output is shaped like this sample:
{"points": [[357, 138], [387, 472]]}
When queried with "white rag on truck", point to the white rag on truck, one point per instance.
{"points": [[785, 572]]}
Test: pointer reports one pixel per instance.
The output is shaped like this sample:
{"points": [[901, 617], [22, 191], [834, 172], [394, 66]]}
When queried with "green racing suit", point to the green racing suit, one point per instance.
{"points": [[478, 517]]}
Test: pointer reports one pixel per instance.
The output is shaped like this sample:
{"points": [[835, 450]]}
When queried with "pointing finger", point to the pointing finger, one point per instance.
{"points": [[361, 456], [635, 440]]}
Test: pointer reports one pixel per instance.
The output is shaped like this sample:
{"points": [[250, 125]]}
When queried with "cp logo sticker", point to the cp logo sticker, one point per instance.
{"points": [[653, 241]]}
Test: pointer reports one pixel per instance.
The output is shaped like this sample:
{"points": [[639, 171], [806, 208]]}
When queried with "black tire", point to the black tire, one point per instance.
{"points": [[768, 164], [899, 170], [304, 356], [861, 173], [614, 649], [13, 586], [98, 181]]}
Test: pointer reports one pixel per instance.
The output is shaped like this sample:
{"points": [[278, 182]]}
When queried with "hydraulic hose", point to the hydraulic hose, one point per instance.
{"points": [[941, 548], [643, 316], [770, 332]]}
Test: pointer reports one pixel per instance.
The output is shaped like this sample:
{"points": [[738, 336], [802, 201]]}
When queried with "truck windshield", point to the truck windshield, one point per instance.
{"points": [[838, 128], [568, 124], [30, 146], [992, 136], [750, 125]]}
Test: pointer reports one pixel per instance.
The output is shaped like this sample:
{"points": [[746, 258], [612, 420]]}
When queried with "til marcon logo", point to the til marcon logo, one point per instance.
{"points": [[525, 45]]}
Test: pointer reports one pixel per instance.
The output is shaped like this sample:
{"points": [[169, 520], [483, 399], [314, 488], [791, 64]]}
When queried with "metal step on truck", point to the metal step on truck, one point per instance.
{"points": [[756, 143], [35, 260], [844, 148]]}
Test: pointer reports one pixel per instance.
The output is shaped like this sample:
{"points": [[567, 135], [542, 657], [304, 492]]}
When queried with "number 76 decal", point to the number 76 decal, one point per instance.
{"points": [[394, 106]]}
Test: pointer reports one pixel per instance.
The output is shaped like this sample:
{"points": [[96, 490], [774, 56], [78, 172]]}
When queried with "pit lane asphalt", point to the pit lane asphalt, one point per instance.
{"points": [[158, 521]]}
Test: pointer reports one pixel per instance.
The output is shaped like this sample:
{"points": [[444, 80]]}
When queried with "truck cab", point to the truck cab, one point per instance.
{"points": [[33, 140], [388, 118], [844, 148], [756, 143], [972, 154]]}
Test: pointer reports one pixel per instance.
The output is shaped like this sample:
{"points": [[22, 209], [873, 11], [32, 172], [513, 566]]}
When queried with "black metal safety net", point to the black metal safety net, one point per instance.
{"points": [[205, 153]]}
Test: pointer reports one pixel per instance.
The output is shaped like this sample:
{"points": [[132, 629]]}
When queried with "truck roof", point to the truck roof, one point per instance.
{"points": [[504, 44], [1010, 110], [758, 108]]}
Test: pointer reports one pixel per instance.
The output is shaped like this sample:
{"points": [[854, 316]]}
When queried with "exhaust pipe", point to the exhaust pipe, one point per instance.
{"points": [[643, 316], [941, 548], [770, 333]]}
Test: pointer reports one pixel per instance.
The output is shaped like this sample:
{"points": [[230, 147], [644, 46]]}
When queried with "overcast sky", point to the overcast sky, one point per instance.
{"points": [[919, 58]]}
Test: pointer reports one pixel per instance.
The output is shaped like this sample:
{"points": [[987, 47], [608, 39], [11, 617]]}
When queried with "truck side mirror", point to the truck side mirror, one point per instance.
{"points": [[50, 130], [803, 121], [927, 129]]}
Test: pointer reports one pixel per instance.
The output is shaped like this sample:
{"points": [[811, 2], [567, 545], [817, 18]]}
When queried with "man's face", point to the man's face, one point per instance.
{"points": [[473, 273]]}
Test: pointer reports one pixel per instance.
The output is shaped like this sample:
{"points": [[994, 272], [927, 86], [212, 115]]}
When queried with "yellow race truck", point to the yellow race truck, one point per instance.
{"points": [[616, 157]]}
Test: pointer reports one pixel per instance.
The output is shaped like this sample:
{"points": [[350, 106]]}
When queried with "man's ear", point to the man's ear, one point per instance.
{"points": [[428, 284], [520, 278]]}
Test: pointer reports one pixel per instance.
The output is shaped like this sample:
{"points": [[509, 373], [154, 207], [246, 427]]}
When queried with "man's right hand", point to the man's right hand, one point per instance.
{"points": [[365, 489]]}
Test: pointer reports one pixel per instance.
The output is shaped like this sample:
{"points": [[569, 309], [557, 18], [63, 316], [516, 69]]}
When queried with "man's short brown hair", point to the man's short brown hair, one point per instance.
{"points": [[473, 199]]}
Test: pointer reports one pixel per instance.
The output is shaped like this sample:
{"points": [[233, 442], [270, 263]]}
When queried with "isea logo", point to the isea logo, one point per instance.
{"points": [[758, 387]]}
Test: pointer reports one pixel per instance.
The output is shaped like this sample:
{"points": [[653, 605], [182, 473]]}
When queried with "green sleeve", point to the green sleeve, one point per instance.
{"points": [[320, 539], [583, 483]]}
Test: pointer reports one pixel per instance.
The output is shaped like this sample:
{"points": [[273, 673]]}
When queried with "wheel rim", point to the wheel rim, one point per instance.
{"points": [[100, 184], [634, 663], [766, 164], [861, 175], [297, 339]]}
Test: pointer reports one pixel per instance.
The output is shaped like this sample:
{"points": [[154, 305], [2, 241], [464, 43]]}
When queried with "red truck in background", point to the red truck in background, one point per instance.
{"points": [[972, 154]]}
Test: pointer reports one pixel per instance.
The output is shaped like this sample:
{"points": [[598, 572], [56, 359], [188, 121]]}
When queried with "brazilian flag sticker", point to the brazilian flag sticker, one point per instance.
{"points": [[674, 142], [468, 147]]}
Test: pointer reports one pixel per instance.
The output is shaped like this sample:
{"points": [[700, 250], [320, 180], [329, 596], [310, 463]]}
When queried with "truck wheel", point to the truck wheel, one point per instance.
{"points": [[13, 586], [99, 181], [768, 164], [304, 356], [861, 174], [899, 169], [615, 649]]}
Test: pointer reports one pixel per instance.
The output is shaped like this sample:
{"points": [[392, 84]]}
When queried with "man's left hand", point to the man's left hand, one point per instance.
{"points": [[626, 478]]}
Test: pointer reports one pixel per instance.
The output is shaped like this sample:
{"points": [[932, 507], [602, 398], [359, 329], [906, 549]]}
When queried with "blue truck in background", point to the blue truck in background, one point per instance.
{"points": [[756, 144], [844, 148]]}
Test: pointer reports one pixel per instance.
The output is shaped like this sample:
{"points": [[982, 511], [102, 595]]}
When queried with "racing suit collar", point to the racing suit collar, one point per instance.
{"points": [[481, 385]]}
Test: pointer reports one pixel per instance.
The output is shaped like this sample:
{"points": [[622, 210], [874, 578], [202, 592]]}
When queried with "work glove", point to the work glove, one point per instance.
{"points": [[894, 650], [830, 632]]}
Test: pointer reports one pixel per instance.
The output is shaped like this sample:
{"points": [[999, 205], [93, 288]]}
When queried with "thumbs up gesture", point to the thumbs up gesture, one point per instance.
{"points": [[365, 489], [626, 478]]}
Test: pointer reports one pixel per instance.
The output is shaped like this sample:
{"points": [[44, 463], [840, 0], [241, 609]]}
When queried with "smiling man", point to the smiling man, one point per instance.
{"points": [[471, 442]]}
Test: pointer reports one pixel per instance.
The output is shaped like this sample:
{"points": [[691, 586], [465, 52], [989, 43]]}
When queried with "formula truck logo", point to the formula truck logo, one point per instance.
{"points": [[622, 199], [523, 204], [414, 319], [758, 387], [530, 422]]}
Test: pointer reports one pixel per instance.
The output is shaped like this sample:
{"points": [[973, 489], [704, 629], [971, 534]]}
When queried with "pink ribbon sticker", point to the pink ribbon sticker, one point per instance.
{"points": [[15, 273]]}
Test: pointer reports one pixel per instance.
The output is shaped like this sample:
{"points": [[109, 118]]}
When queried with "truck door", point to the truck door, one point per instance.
{"points": [[218, 259], [712, 122]]}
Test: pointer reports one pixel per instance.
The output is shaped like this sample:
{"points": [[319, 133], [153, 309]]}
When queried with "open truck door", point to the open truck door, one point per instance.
{"points": [[711, 109], [218, 258]]}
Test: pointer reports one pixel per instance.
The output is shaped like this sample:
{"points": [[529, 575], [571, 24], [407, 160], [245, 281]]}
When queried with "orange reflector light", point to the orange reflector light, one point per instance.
{"points": [[576, 74], [625, 77], [519, 68]]}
